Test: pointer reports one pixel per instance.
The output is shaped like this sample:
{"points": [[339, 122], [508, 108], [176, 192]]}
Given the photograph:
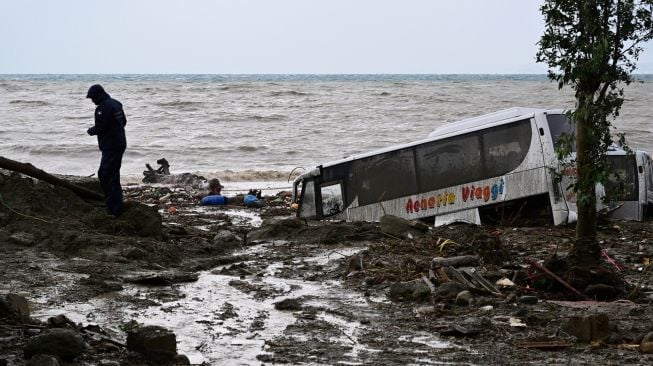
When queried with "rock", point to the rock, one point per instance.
{"points": [[288, 304], [401, 228], [225, 239], [421, 292], [476, 323], [354, 263], [588, 328], [601, 292], [43, 360], [181, 360], [154, 343], [60, 321], [504, 282], [528, 300], [15, 307], [463, 298], [224, 236], [449, 290], [134, 253], [648, 337], [413, 290], [23, 239], [64, 343], [647, 344], [401, 291]]}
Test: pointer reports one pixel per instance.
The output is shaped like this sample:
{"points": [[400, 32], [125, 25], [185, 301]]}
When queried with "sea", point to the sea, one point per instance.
{"points": [[263, 127]]}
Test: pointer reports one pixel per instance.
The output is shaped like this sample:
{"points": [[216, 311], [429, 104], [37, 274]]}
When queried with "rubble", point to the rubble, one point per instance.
{"points": [[479, 289]]}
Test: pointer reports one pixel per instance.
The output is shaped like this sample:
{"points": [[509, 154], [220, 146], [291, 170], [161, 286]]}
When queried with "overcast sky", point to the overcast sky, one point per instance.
{"points": [[272, 36]]}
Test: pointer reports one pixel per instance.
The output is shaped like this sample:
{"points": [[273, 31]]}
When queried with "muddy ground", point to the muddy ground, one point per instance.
{"points": [[257, 286]]}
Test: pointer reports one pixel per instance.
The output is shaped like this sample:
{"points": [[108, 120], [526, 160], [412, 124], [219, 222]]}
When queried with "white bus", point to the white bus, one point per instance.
{"points": [[463, 170]]}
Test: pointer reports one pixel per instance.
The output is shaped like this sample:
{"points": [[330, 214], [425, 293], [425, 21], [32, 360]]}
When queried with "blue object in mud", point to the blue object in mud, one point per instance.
{"points": [[214, 200], [251, 200]]}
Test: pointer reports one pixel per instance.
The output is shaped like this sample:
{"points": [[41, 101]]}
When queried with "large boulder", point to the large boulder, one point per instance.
{"points": [[64, 343], [154, 343], [15, 307]]}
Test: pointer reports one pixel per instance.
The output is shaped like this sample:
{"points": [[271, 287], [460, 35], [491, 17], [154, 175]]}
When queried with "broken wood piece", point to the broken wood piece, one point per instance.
{"points": [[149, 169], [459, 261], [540, 267], [32, 171]]}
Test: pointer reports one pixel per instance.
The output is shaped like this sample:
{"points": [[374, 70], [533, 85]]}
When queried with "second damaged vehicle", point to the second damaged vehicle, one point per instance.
{"points": [[497, 167]]}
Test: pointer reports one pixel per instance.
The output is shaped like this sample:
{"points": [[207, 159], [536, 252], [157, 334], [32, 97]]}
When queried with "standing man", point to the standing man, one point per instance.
{"points": [[109, 127]]}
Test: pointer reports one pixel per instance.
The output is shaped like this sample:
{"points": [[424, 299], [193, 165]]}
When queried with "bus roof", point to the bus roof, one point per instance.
{"points": [[453, 128], [516, 113]]}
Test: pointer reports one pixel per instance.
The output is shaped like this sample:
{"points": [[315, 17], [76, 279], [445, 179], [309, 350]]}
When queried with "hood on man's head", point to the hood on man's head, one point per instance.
{"points": [[96, 92]]}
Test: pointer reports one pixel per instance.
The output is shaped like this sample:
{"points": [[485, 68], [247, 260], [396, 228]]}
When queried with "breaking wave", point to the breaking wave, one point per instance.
{"points": [[178, 103], [272, 117], [287, 92], [251, 175], [250, 148], [32, 103]]}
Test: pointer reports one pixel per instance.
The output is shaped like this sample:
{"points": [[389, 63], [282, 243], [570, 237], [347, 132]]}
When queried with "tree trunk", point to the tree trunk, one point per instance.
{"points": [[29, 169], [586, 249]]}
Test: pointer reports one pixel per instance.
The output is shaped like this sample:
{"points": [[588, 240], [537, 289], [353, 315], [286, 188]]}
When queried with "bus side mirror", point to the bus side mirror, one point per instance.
{"points": [[541, 131]]}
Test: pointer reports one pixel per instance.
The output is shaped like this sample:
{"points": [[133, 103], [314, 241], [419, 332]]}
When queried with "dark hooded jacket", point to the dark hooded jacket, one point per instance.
{"points": [[110, 120]]}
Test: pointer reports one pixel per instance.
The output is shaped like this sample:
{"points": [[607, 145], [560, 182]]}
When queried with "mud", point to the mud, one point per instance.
{"points": [[257, 286]]}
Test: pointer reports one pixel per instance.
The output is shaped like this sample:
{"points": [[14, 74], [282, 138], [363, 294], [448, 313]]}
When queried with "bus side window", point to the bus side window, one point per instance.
{"points": [[332, 202], [307, 205], [449, 162], [506, 147]]}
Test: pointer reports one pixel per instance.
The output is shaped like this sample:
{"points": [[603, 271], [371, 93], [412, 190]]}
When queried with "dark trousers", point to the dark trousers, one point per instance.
{"points": [[109, 174]]}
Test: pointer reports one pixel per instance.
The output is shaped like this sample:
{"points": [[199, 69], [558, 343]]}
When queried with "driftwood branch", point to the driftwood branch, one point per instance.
{"points": [[32, 171], [459, 261]]}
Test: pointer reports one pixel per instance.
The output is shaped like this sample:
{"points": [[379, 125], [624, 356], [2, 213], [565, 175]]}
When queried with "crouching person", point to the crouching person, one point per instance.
{"points": [[215, 196]]}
